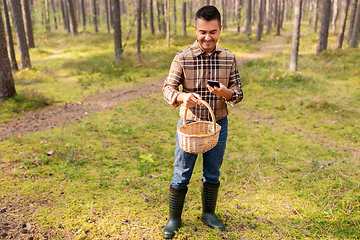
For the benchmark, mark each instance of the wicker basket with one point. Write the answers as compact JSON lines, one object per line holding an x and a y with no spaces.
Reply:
{"x":192,"y":143}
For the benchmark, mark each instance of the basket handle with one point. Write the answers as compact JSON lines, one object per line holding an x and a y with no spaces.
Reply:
{"x":210,"y":110}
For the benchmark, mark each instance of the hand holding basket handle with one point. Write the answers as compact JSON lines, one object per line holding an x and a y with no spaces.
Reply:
{"x":190,"y":142}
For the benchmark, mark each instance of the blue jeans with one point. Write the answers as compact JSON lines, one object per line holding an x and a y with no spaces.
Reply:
{"x":212,"y":160}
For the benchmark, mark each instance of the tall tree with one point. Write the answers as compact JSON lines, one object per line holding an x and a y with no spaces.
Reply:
{"x":138,"y":39}
{"x":296,"y":37}
{"x":53,"y":12}
{"x":151,"y":17}
{"x":27,"y":23}
{"x":174,"y":15}
{"x":183,"y":18}
{"x":324,"y":28}
{"x":167,"y":20}
{"x":47,"y":15}
{"x":20,"y":34}
{"x":345,"y":7}
{"x":7,"y":85}
{"x":72,"y":18}
{"x":355,"y":37}
{"x":268,"y":16}
{"x":82,"y":7}
{"x":315,"y":15}
{"x":352,"y":19}
{"x":278,"y":17}
{"x":260,"y":26}
{"x":94,"y":15}
{"x":65,"y":15}
{"x":335,"y":15}
{"x":107,"y":15}
{"x":158,"y":16}
{"x":117,"y":30}
{"x":248,"y":20}
{"x":9,"y":38}
{"x":238,"y":14}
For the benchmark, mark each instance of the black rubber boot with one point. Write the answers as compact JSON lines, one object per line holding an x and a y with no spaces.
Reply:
{"x":176,"y":204}
{"x":209,"y":194}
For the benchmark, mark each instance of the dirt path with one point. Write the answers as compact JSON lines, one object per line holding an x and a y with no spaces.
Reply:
{"x":51,"y":117}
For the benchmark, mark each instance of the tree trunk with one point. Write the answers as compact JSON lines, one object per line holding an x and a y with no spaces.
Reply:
{"x":107,"y":16}
{"x":268,"y":16}
{"x":335,"y":15}
{"x":316,"y":15}
{"x":345,"y":7}
{"x":151,"y":17}
{"x":20,"y":34}
{"x":296,"y":37}
{"x":324,"y":28}
{"x":260,"y":20}
{"x":9,"y":38}
{"x":83,"y":14}
{"x":94,"y":13}
{"x":138,"y":40}
{"x":356,"y":30}
{"x":7,"y":85}
{"x":27,"y":23}
{"x":278,"y":18}
{"x":183,"y":18}
{"x":352,"y":19}
{"x":174,"y":15}
{"x":143,"y":12}
{"x":65,"y":15}
{"x":248,"y":20}
{"x":72,"y":18}
{"x":117,"y":30}
{"x":238,"y":14}
{"x":167,"y":20}
{"x":54,"y":13}
{"x":47,"y":16}
{"x":157,"y":13}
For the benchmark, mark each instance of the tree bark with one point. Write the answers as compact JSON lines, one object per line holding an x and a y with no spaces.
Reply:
{"x":352,"y":19}
{"x":138,"y":39}
{"x":340,"y":39}
{"x":174,"y":16}
{"x":83,"y":14}
{"x":238,"y":14}
{"x":54,"y":13}
{"x":151,"y":17}
{"x":27,"y":23}
{"x":324,"y":28}
{"x":260,"y":26}
{"x":248,"y":20}
{"x":7,"y":85}
{"x":356,"y":30}
{"x":278,"y":17}
{"x":9,"y":38}
{"x":296,"y":37}
{"x":316,"y":15}
{"x":167,"y":21}
{"x":20,"y":34}
{"x":117,"y":30}
{"x":72,"y":18}
{"x":107,"y":16}
{"x":158,"y":13}
{"x":94,"y":13}
{"x":268,"y":16}
{"x":335,"y":15}
{"x":183,"y":18}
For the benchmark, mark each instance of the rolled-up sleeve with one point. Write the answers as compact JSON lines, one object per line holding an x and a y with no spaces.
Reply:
{"x":235,"y":85}
{"x":173,"y":81}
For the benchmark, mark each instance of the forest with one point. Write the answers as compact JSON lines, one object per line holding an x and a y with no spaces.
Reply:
{"x":87,"y":140}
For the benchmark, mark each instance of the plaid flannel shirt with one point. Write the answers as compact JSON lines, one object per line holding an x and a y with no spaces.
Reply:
{"x":191,"y":68}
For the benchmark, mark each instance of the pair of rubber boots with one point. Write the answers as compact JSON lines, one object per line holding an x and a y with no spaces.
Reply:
{"x":209,"y":193}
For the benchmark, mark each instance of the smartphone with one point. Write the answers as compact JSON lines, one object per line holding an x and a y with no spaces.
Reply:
{"x":213,"y":83}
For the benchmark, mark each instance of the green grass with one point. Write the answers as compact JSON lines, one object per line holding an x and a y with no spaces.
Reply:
{"x":291,"y":164}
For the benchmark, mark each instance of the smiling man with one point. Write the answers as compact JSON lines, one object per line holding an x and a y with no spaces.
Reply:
{"x":192,"y":68}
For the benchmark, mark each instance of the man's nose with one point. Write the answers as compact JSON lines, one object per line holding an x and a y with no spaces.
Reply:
{"x":207,"y":37}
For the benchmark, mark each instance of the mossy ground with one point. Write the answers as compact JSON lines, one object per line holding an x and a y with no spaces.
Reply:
{"x":291,"y":164}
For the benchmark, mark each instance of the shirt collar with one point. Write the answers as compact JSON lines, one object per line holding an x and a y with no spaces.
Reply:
{"x":198,"y":51}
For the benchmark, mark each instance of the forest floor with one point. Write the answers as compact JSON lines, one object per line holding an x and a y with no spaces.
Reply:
{"x":53,"y":116}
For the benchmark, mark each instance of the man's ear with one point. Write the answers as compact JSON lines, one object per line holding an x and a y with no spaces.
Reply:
{"x":221,"y":27}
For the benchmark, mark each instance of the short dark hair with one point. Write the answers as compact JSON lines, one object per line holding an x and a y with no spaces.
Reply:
{"x":208,"y":13}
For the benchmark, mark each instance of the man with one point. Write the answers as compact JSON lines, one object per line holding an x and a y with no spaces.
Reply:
{"x":192,"y":68}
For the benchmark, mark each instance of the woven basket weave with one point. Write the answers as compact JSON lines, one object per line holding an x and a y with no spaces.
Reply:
{"x":192,"y":143}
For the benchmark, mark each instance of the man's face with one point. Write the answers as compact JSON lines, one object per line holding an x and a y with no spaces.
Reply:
{"x":207,"y":33}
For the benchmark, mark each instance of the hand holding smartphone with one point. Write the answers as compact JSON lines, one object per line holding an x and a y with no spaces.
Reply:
{"x":213,"y":83}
